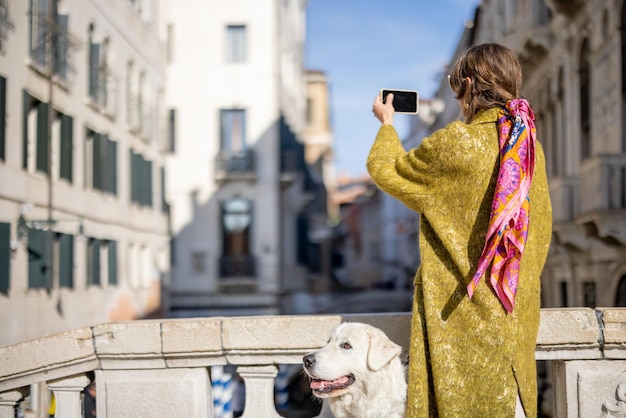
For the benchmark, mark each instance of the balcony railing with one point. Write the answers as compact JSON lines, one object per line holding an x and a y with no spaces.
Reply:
{"x":235,"y":166}
{"x":164,"y":363}
{"x":237,"y":266}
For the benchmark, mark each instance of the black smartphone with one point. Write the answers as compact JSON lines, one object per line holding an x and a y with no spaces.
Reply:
{"x":404,"y":101}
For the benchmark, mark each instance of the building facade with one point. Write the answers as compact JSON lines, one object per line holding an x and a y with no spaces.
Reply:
{"x":572,"y":54}
{"x":83,"y":227}
{"x":575,"y":72}
{"x":238,"y":183}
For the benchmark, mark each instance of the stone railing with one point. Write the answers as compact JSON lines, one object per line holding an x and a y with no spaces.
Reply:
{"x":159,"y":368}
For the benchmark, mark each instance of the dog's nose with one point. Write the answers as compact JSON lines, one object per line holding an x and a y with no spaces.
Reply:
{"x":308,"y":360}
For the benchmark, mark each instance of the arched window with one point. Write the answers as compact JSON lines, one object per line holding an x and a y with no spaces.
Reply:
{"x":620,"y":294}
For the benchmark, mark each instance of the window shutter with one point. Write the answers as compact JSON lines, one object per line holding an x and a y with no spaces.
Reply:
{"x":39,"y":53}
{"x":94,"y":71}
{"x":38,"y":259}
{"x":3,"y":116}
{"x":94,"y":262}
{"x":42,"y":137}
{"x":61,"y":46}
{"x":5,"y":257}
{"x":66,"y":147}
{"x":133,"y":177}
{"x":112,"y":263}
{"x":172,"y":130}
{"x":111,"y":166}
{"x":26,"y":105}
{"x":149,"y":183}
{"x":97,"y":161}
{"x":66,"y":261}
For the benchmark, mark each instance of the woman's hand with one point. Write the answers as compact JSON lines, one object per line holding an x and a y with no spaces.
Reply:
{"x":384,"y":112}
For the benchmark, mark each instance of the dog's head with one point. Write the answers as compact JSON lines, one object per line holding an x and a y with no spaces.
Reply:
{"x":354,"y":352}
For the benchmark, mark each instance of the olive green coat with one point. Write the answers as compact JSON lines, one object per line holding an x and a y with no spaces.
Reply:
{"x":468,"y":358}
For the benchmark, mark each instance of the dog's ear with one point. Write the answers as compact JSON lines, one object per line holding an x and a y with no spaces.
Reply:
{"x":381,"y":349}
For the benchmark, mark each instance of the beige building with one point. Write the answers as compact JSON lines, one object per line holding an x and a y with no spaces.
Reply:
{"x":83,"y":231}
{"x":238,"y":182}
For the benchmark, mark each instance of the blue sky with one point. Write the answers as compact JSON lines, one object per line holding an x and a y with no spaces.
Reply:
{"x":364,"y":46}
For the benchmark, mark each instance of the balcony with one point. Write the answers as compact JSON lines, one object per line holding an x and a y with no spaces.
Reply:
{"x":235,"y":166}
{"x":165,"y":362}
{"x":237,"y":266}
{"x":603,"y":197}
{"x":568,"y":8}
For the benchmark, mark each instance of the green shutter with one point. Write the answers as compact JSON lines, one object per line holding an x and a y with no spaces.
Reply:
{"x":5,"y":257}
{"x":66,"y":261}
{"x":42,"y":137}
{"x":111,"y":166}
{"x":3,"y":117}
{"x":39,"y":252}
{"x":26,"y":103}
{"x":112,"y":263}
{"x":164,"y":205}
{"x":149,"y":183}
{"x":133,"y":176}
{"x":61,"y":46}
{"x":94,"y":71}
{"x":93,"y":262}
{"x":66,"y":147}
{"x":172,"y":130}
{"x":97,"y":169}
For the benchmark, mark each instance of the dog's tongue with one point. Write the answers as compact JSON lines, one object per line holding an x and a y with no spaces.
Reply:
{"x":329,"y":384}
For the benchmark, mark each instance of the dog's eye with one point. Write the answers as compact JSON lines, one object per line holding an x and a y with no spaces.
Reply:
{"x":346,"y":346}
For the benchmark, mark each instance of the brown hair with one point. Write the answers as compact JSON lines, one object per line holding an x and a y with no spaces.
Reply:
{"x":495,"y":74}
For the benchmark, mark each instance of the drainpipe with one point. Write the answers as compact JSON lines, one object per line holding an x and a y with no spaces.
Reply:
{"x":51,"y":28}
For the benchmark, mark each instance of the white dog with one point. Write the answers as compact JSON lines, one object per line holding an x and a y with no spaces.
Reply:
{"x":360,"y":373}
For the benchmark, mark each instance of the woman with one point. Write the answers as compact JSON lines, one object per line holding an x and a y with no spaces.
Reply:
{"x":485,"y":229}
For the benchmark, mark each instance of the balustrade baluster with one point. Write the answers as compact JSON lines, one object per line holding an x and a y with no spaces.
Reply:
{"x":67,"y":394}
{"x":259,"y":382}
{"x":10,"y":400}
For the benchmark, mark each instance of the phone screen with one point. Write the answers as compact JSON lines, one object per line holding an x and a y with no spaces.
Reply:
{"x":404,"y":101}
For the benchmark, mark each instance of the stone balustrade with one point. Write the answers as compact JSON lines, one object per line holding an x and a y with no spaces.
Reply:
{"x":159,"y":368}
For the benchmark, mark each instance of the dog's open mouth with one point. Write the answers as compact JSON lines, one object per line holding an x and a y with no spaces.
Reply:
{"x":328,"y":386}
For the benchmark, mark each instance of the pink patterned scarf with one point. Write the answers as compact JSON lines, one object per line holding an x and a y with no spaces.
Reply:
{"x":508,"y":222}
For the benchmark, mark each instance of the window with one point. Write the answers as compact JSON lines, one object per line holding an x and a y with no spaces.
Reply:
{"x":36,"y":141}
{"x":66,"y":147}
{"x":140,"y":179}
{"x":236,"y":238}
{"x":101,"y":262}
{"x":232,"y":131}
{"x":564,"y":299}
{"x":93,"y":262}
{"x":5,"y":23}
{"x":40,"y":29}
{"x":35,"y":134}
{"x":99,"y":73}
{"x":589,"y":294}
{"x":620,"y":295}
{"x":236,"y":44}
{"x":585,"y":101}
{"x":111,"y":250}
{"x":100,"y":162}
{"x":198,"y":261}
{"x":171,"y":130}
{"x":5,"y":256}
{"x":65,"y":245}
